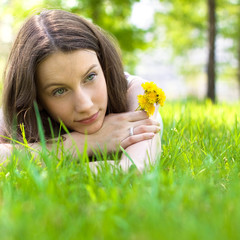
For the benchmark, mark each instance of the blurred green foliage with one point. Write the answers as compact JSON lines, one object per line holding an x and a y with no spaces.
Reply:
{"x":185,"y":28}
{"x":184,"y":24}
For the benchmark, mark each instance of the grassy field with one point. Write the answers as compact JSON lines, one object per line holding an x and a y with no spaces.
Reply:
{"x":191,"y":193}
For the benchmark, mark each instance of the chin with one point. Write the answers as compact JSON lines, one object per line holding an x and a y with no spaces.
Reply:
{"x":90,"y":130}
{"x":93,"y":130}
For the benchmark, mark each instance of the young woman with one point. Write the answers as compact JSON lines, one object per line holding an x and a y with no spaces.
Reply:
{"x":74,"y":73}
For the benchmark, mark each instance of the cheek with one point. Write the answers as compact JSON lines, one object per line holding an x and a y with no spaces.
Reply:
{"x":56,"y":109}
{"x":102,"y":93}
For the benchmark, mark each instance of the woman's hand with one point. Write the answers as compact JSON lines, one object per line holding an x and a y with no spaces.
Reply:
{"x":115,"y":130}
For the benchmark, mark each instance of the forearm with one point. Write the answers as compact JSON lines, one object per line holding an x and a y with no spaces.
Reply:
{"x":74,"y":143}
{"x":142,"y":153}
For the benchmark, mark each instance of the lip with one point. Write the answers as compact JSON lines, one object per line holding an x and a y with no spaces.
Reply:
{"x":89,"y":120}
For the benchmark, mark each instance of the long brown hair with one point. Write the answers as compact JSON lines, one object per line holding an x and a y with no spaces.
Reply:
{"x":39,"y":37}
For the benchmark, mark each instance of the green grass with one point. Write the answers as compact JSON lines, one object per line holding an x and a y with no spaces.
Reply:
{"x":191,"y":193}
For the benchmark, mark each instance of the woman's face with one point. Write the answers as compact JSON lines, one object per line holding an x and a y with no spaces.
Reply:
{"x":71,"y":87}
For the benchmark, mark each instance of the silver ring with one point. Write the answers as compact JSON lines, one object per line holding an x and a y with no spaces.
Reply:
{"x":131,"y":131}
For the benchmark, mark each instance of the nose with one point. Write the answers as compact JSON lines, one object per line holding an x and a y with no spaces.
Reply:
{"x":82,"y":100}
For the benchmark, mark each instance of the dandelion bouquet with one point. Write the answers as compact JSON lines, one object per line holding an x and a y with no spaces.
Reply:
{"x":152,"y":95}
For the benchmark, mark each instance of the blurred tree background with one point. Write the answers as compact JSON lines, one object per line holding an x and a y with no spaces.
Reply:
{"x":187,"y":28}
{"x":190,"y":26}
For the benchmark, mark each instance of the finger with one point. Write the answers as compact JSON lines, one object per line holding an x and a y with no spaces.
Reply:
{"x":136,"y":138}
{"x":143,"y":126}
{"x":147,"y":121}
{"x":145,"y":129}
{"x":136,"y":116}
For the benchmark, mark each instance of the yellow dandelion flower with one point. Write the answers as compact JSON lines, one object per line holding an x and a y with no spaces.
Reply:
{"x":150,"y":109}
{"x":152,"y":97}
{"x":161,"y":102}
{"x":149,"y":86}
{"x":143,"y":101}
{"x":161,"y":96}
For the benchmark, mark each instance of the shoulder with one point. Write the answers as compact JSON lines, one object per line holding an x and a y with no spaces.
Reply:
{"x":134,"y":86}
{"x":134,"y":80}
{"x":134,"y":89}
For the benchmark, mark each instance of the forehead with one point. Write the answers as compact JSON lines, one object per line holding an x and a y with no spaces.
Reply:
{"x":61,"y":65}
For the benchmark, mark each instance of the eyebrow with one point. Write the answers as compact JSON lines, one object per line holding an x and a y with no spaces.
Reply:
{"x":83,"y":76}
{"x":89,"y":69}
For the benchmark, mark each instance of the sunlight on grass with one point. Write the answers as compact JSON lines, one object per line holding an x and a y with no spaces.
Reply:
{"x":191,"y":193}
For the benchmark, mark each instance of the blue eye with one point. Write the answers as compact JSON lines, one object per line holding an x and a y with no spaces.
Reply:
{"x":91,"y":76}
{"x":59,"y":91}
